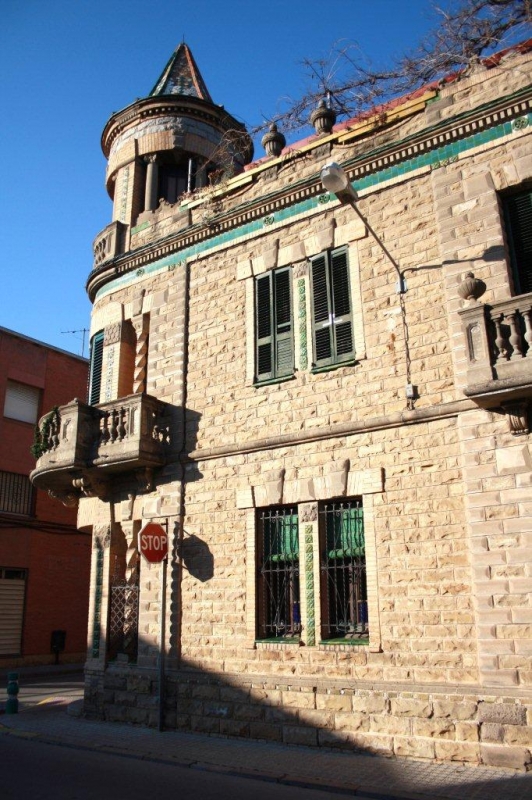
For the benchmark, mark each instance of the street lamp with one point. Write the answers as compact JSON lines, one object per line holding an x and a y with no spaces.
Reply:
{"x":335,"y":180}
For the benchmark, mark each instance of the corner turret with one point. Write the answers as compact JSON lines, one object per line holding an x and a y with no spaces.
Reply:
{"x":161,"y":147}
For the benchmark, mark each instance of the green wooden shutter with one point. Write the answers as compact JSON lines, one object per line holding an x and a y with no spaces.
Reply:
{"x":519,"y":224}
{"x":342,"y":316}
{"x":321,"y":312}
{"x":263,"y":323}
{"x":96,"y":363}
{"x":284,"y":350}
{"x":273,"y":323}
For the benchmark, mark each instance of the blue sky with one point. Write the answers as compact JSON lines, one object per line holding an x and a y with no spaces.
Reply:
{"x":67,"y":65}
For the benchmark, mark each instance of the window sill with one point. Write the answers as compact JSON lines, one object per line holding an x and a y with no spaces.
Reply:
{"x":271,"y":381}
{"x":344,"y":643}
{"x":276,"y":644}
{"x":328,"y":367}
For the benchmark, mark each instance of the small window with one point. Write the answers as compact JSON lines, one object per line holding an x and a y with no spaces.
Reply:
{"x":518,"y":218}
{"x":343,"y":572}
{"x":278,"y":574}
{"x":22,"y":402}
{"x":95,"y":370}
{"x":332,"y":323}
{"x":273,"y":325}
{"x":16,"y":494}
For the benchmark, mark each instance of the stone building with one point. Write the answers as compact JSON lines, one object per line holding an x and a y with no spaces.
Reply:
{"x":326,"y":403}
{"x":44,"y":559}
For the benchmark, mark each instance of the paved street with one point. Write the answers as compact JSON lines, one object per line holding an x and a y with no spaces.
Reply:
{"x":85,"y":758}
{"x":45,"y":771}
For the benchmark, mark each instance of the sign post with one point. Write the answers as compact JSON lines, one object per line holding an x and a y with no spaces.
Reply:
{"x":154,"y":547}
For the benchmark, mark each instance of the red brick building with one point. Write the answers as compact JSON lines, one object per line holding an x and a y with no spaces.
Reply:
{"x":44,"y":559}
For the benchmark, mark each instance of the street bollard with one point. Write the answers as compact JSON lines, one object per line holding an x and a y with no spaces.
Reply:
{"x":12,"y":692}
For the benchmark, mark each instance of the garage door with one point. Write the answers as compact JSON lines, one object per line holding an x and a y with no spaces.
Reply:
{"x":12,"y":590}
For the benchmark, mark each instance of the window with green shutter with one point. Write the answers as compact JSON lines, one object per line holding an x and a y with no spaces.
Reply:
{"x":332,"y":320}
{"x":344,"y":600}
{"x":278,"y":591}
{"x":95,"y":370}
{"x":274,"y":357}
{"x":518,"y":218}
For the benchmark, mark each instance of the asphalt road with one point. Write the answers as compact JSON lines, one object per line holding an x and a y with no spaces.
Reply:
{"x":41,"y":771}
{"x":38,"y":690}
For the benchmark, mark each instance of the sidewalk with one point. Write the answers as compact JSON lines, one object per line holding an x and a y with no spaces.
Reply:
{"x":57,"y":720}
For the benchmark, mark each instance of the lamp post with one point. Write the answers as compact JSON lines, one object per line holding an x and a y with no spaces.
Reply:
{"x":336,"y":181}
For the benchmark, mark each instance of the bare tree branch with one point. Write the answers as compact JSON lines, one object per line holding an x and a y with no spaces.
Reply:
{"x":466,"y":32}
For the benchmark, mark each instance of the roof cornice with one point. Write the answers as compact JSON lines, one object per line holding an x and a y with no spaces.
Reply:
{"x":357,"y":167}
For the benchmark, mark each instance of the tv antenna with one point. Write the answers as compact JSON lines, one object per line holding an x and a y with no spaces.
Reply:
{"x":82,"y":331}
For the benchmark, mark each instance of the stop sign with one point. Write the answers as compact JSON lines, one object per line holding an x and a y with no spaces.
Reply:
{"x":153,"y":542}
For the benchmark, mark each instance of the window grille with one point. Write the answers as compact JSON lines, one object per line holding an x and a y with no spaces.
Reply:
{"x":95,"y":370}
{"x":332,"y":321}
{"x":518,"y":218}
{"x":278,"y":574}
{"x":16,"y":494}
{"x":124,"y":612}
{"x":273,"y":323}
{"x":343,"y":572}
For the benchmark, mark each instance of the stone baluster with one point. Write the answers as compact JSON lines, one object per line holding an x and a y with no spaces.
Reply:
{"x":122,"y":423}
{"x":500,"y":339}
{"x":527,"y":315}
{"x":113,"y":431}
{"x":104,"y":428}
{"x":54,"y":430}
{"x":515,"y":336}
{"x":152,"y":182}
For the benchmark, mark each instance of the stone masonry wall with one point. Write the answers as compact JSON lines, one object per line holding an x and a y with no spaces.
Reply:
{"x":435,"y":724}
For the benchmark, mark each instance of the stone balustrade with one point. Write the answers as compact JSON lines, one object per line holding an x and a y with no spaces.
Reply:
{"x":109,"y":243}
{"x":499,"y":350}
{"x":82,"y":446}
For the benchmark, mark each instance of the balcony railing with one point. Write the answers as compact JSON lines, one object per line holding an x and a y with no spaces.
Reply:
{"x":82,"y":445}
{"x":109,"y":243}
{"x":499,"y":350}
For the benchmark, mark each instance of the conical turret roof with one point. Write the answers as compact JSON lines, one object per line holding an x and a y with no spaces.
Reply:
{"x":181,"y":76}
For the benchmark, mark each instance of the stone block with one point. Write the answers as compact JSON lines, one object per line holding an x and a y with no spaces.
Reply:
{"x":264,"y":730}
{"x":370,"y":703}
{"x":414,"y":748}
{"x":410,"y":707}
{"x":518,"y":734}
{"x":491,"y":732}
{"x":333,"y":702}
{"x":502,"y":713}
{"x":513,"y":460}
{"x":300,"y":735}
{"x":457,"y":751}
{"x":494,"y":755}
{"x":233,"y":727}
{"x":455,"y":709}
{"x":351,"y":722}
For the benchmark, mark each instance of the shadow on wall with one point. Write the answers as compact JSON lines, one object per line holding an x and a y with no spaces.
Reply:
{"x":250,"y":707}
{"x":197,"y":558}
{"x":309,"y":711}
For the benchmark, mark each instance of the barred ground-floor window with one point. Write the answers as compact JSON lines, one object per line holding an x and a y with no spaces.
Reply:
{"x":344,"y":600}
{"x":336,"y":602}
{"x":278,"y":607}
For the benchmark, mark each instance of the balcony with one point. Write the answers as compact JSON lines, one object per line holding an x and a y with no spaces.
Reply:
{"x":499,"y":355}
{"x":83,"y":447}
{"x":109,"y":243}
